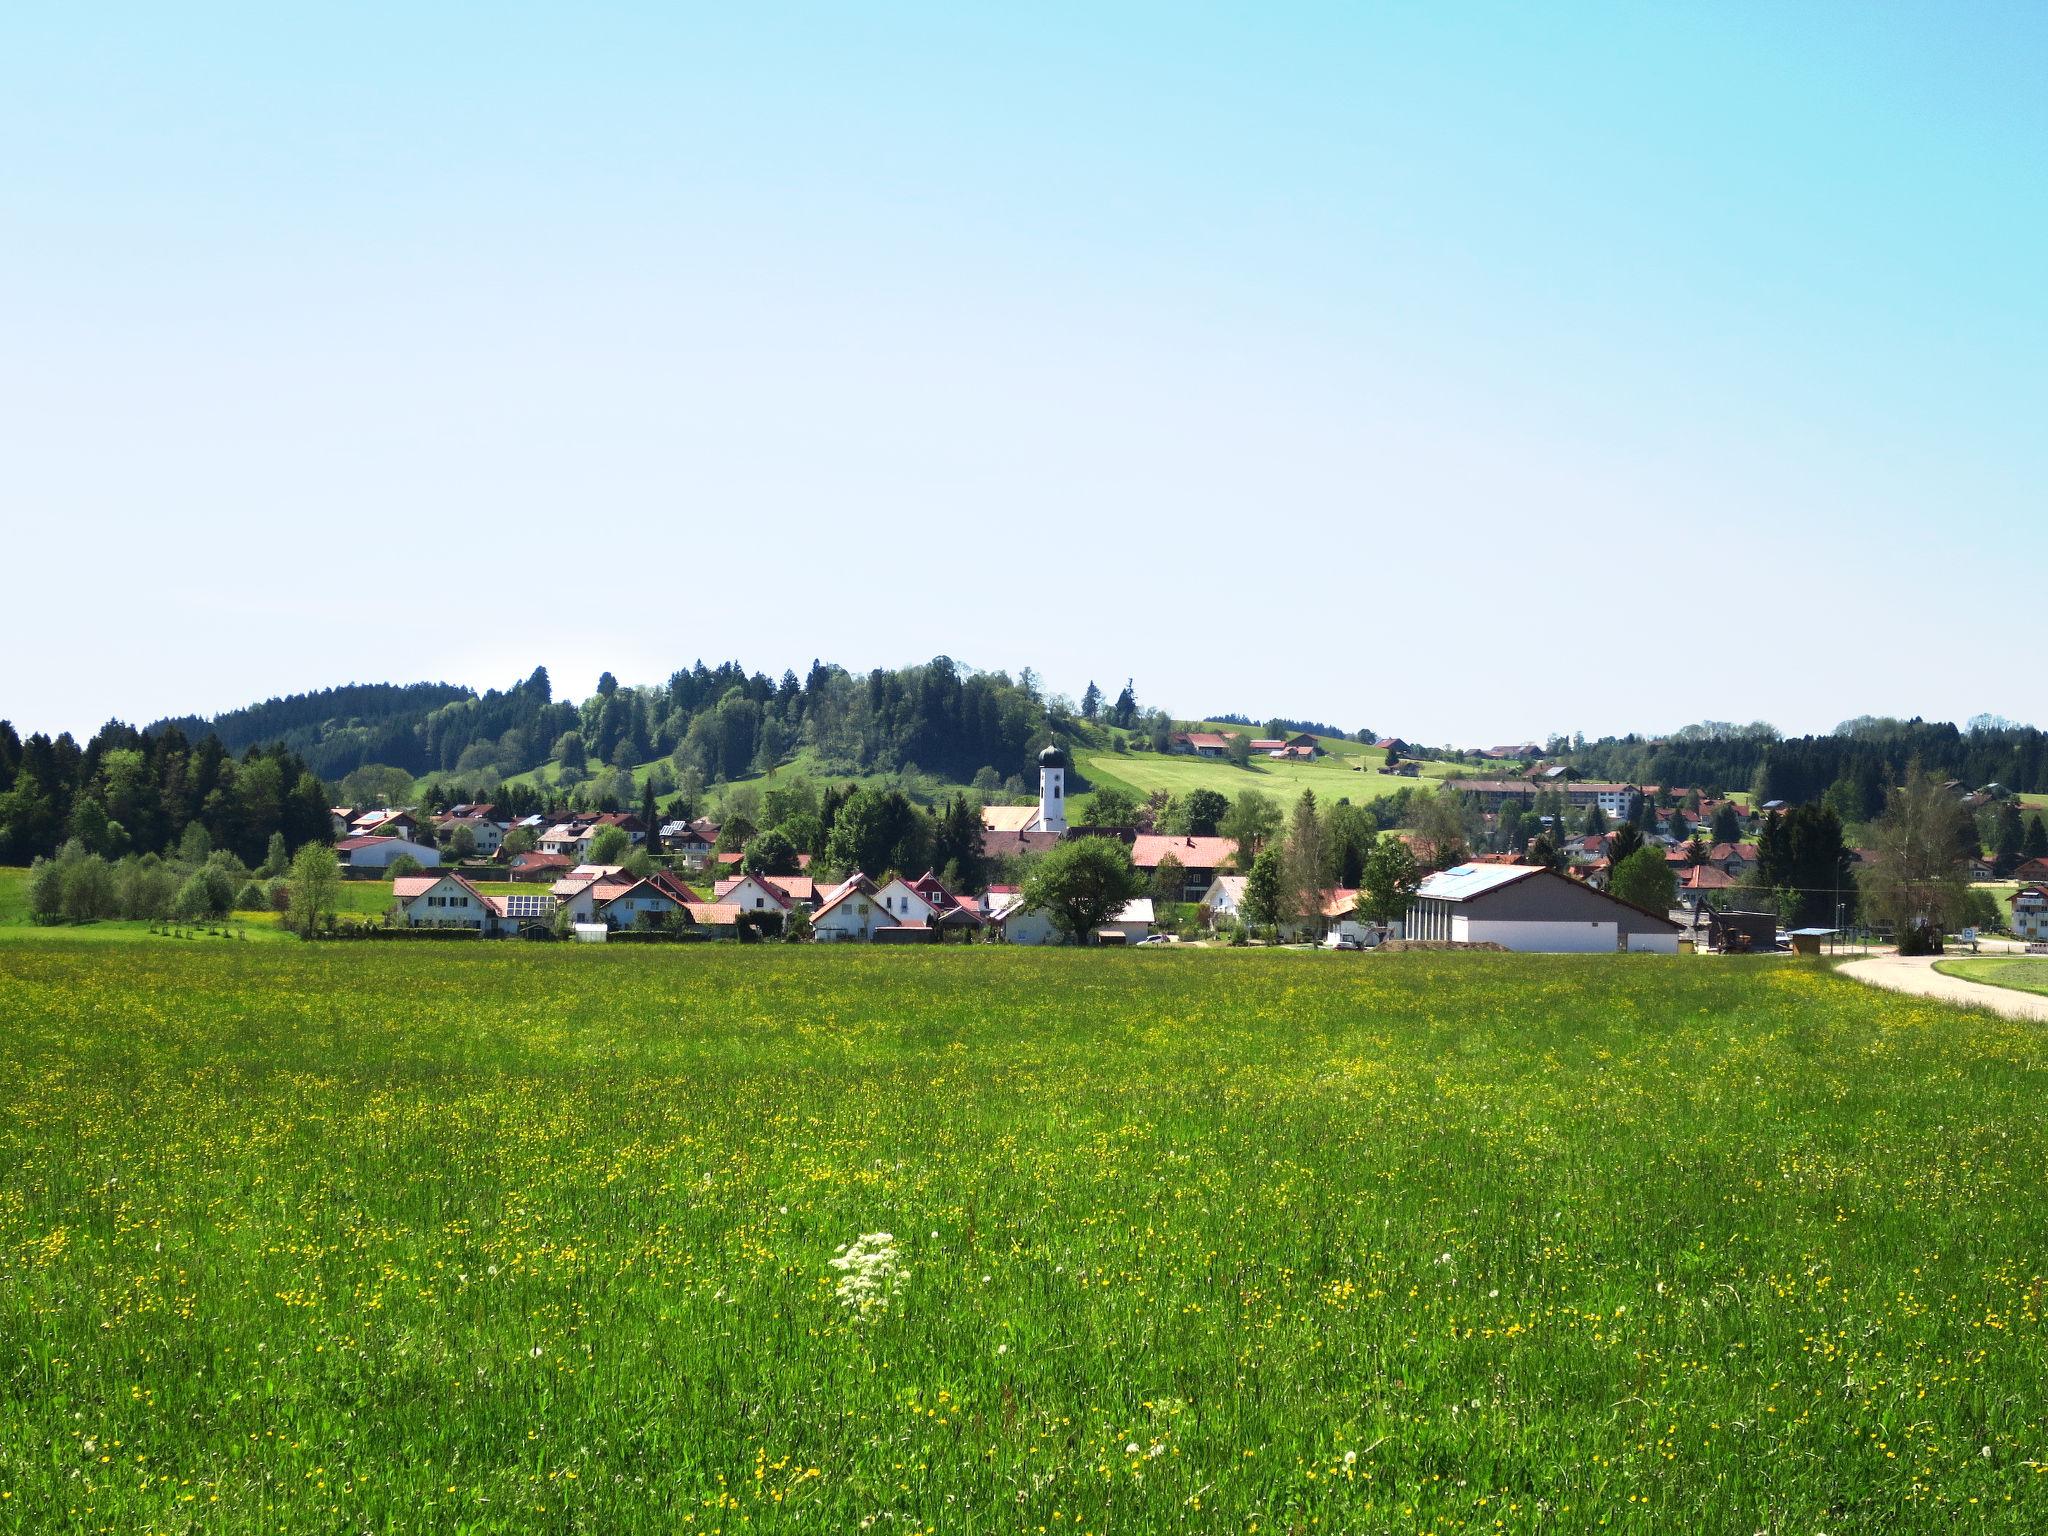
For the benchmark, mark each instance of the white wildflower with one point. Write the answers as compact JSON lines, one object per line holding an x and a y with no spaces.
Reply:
{"x":1131,"y":1449}
{"x":871,"y":1273}
{"x":1351,"y":1458}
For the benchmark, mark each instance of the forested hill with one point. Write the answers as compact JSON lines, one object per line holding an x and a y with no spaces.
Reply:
{"x":1852,"y":766}
{"x":351,"y":725}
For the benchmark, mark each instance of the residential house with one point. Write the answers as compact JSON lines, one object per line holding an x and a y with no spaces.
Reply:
{"x":905,"y":904}
{"x":447,"y":900}
{"x":539,"y":866}
{"x":374,"y":855}
{"x":643,"y":904}
{"x":488,"y":835}
{"x":1201,"y":858}
{"x":849,"y":912}
{"x":682,"y":839}
{"x":1199,"y":743}
{"x":754,"y":895}
{"x":2033,"y":871}
{"x":1011,"y":922}
{"x":1529,"y":908}
{"x":1130,"y":923}
{"x":2030,"y":913}
{"x":570,"y":838}
{"x":1223,"y":902}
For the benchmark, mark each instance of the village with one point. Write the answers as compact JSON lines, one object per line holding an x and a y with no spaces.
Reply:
{"x":675,"y":882}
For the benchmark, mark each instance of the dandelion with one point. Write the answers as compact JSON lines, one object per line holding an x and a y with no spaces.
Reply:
{"x":870,"y":1273}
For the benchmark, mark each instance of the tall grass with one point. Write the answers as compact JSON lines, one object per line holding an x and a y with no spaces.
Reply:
{"x":513,"y":1238}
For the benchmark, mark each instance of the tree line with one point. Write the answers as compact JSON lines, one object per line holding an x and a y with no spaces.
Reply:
{"x":142,"y":792}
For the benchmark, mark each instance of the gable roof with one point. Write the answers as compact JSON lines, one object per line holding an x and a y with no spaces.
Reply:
{"x":1149,"y":851}
{"x":1009,"y":818}
{"x":1471,"y":882}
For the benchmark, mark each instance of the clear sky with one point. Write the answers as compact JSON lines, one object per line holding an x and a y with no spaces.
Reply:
{"x":1469,"y":372}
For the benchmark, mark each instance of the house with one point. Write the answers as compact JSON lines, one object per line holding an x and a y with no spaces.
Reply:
{"x":1223,"y":902}
{"x":539,"y":866}
{"x":848,"y":912}
{"x":1131,"y":922}
{"x":754,"y":894}
{"x":448,"y":900}
{"x":571,"y":838}
{"x":440,"y":901}
{"x":2032,"y":872}
{"x":585,"y":899}
{"x":1199,"y":743}
{"x":1270,"y":745}
{"x":1336,"y":916}
{"x":682,"y":839}
{"x":373,"y":855}
{"x":905,"y":904}
{"x":1011,"y":922}
{"x":1704,"y":877}
{"x":1393,"y":744}
{"x":341,"y":820}
{"x":1529,"y":908}
{"x":1979,"y":868}
{"x":793,"y":890}
{"x":391,"y":823}
{"x":643,"y":904}
{"x":1302,"y":744}
{"x":2030,"y":913}
{"x":634,"y":828}
{"x":950,"y":914}
{"x":487,"y":834}
{"x":1201,"y":859}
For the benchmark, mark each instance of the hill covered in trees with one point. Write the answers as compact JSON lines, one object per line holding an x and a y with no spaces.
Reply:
{"x":1851,"y":766}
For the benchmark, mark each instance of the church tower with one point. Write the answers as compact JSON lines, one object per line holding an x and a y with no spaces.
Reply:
{"x":1052,"y":789}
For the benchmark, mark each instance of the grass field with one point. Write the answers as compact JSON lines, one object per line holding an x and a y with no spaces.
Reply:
{"x":1332,"y":778}
{"x":541,"y":1238}
{"x":2023,"y":973}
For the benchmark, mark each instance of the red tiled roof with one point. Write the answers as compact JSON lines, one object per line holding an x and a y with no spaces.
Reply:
{"x":1149,"y":850}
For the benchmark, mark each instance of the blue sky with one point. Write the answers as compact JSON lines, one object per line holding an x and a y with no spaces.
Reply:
{"x":1469,"y":373}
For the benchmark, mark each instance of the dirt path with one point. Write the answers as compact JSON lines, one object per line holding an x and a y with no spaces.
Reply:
{"x":1916,"y":974}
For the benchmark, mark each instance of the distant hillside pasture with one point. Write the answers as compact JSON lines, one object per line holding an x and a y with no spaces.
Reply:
{"x":1333,"y":778}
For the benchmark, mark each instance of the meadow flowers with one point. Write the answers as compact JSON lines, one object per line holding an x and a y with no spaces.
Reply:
{"x":870,"y":1273}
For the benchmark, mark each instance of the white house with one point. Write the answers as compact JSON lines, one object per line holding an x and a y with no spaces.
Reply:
{"x":686,"y":843}
{"x":566,"y":837}
{"x":1530,"y":908}
{"x":753,"y":893}
{"x":639,"y":905}
{"x":449,"y":901}
{"x":367,"y":854}
{"x":1011,"y":923}
{"x":850,"y":911}
{"x":2030,"y":913}
{"x":490,"y":837}
{"x":1132,"y":922}
{"x":905,"y":905}
{"x":1223,"y":902}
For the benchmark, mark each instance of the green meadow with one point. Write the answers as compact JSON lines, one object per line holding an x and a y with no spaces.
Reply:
{"x":543,"y":1238}
{"x":2023,"y":973}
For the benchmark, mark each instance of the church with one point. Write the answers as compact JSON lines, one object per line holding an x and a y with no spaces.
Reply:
{"x":1015,"y":829}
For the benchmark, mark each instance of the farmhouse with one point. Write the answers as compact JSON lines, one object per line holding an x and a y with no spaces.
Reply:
{"x":373,"y":855}
{"x":1200,"y":858}
{"x":1530,"y":908}
{"x":1199,"y":743}
{"x":2033,"y":871}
